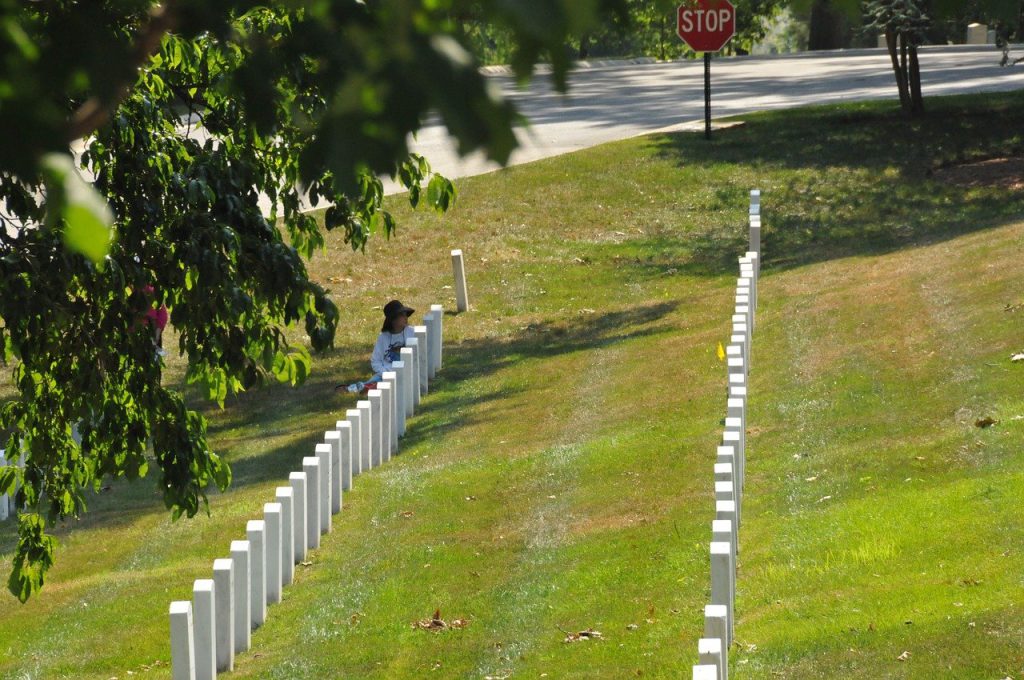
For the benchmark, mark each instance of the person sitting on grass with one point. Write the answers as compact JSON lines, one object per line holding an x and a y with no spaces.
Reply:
{"x":387,"y":349}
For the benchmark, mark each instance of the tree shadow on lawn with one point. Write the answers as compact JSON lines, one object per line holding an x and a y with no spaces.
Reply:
{"x":831,"y":209}
{"x":483,"y":356}
{"x":278,"y":410}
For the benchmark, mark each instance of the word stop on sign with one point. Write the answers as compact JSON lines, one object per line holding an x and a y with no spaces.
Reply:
{"x":701,"y":20}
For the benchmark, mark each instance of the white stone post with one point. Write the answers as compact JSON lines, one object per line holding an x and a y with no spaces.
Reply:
{"x":755,"y":260}
{"x":740,"y":340}
{"x":716,"y":623}
{"x":365,"y":435}
{"x":461,"y":295}
{"x":224,"y":594}
{"x":721,"y":580}
{"x":428,"y":323}
{"x":386,"y":420}
{"x":736,"y":424}
{"x":204,"y":628}
{"x":345,"y":450}
{"x":736,"y":365}
{"x":422,"y":357}
{"x":736,"y":407}
{"x":438,"y":337}
{"x":411,"y":389}
{"x":256,"y":532}
{"x":417,"y":357}
{"x":376,"y":425}
{"x":401,"y":378}
{"x":731,"y":437}
{"x":747,"y":271}
{"x":391,"y":380}
{"x":705,"y":672}
{"x":311,"y":466}
{"x":183,"y":661}
{"x":333,"y":439}
{"x":3,"y":497}
{"x":323,"y":454}
{"x":723,"y":473}
{"x":723,"y":491}
{"x":738,"y":391}
{"x":285,"y":497}
{"x":272,"y":520}
{"x":355,"y":418}
{"x":755,"y":233}
{"x":746,"y":311}
{"x":710,"y":653}
{"x":299,"y":510}
{"x":721,"y":532}
{"x":243,"y":611}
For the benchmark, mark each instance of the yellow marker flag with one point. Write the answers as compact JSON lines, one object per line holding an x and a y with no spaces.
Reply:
{"x":720,"y":352}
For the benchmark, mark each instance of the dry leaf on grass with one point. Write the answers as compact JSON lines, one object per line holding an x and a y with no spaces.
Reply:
{"x":987,"y":421}
{"x":437,"y":623}
{"x":407,"y":513}
{"x":588,"y":634}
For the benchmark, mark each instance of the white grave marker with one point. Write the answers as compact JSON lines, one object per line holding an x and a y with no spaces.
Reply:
{"x":324,"y":454}
{"x":224,"y":594}
{"x":461,"y":294}
{"x":299,"y":510}
{"x":256,"y":532}
{"x":183,"y":662}
{"x":243,"y":612}
{"x":204,"y":628}
{"x":311,"y":466}
{"x":272,"y":520}
{"x":285,"y":497}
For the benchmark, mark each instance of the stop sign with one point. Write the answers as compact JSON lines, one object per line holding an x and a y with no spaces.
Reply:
{"x":706,"y":25}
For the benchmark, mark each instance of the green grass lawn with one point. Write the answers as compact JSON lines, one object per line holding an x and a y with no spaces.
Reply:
{"x":559,"y":475}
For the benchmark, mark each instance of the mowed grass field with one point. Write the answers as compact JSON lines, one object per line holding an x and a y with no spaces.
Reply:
{"x":558,"y":477}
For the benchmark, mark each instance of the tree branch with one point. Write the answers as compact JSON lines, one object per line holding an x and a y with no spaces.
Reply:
{"x":95,"y":112}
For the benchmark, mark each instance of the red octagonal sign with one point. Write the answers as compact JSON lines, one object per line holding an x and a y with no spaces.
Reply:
{"x":706,"y":25}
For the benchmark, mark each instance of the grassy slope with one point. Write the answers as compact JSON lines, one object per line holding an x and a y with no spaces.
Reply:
{"x":558,"y":475}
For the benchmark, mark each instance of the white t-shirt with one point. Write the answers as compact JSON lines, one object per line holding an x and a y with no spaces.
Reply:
{"x":386,"y":349}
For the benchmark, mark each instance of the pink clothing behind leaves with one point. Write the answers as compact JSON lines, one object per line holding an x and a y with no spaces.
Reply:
{"x":157,"y":317}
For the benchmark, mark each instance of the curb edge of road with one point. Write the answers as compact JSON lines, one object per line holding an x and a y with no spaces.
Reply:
{"x":592,"y":64}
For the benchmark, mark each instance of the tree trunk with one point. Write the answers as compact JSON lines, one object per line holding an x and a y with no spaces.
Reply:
{"x":901,"y":80}
{"x":825,"y":27}
{"x":661,"y":38}
{"x":584,"y":45}
{"x":917,"y":100}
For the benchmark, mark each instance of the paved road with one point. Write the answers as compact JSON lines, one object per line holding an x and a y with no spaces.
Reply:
{"x":616,"y":102}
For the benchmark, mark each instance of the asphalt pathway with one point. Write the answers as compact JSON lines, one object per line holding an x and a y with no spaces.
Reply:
{"x":607,"y":103}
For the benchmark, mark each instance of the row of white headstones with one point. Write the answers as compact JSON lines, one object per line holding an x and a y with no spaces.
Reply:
{"x":7,"y":506}
{"x":209,"y":630}
{"x":730,"y":468}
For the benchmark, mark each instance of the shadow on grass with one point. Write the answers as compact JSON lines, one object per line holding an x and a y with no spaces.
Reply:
{"x":478,"y":358}
{"x":309,"y":410}
{"x":852,"y":180}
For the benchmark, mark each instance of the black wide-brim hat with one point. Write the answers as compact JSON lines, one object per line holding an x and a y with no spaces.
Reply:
{"x":392,"y":310}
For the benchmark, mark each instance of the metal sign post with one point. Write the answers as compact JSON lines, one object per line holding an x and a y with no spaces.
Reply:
{"x":707,"y":95}
{"x":706,"y":26}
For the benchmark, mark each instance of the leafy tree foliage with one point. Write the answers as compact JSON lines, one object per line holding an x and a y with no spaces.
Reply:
{"x":646,"y":28}
{"x":184,"y":113}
